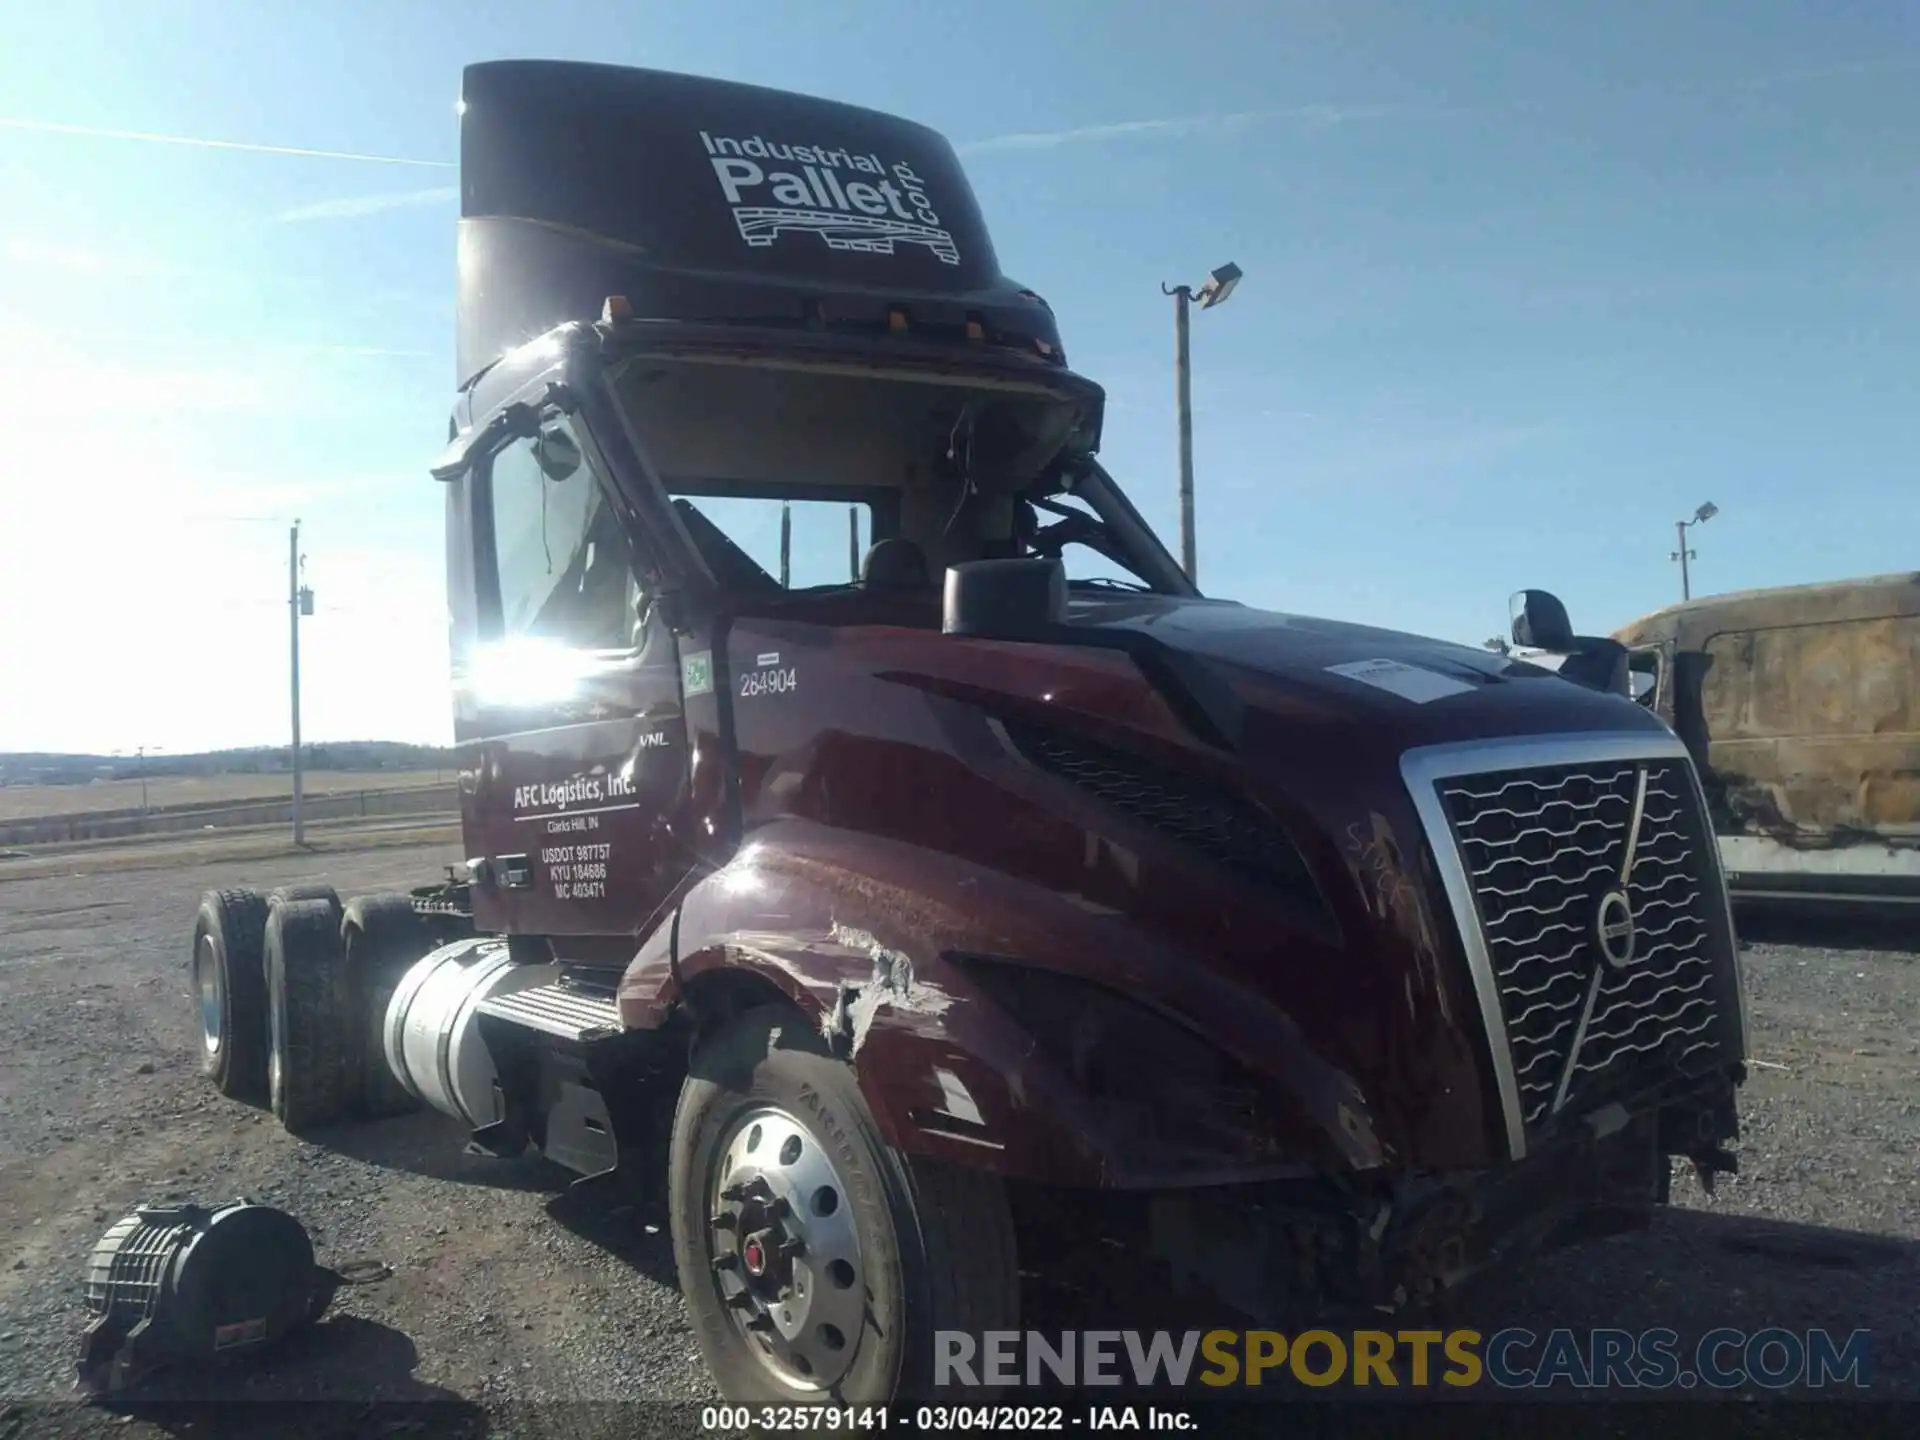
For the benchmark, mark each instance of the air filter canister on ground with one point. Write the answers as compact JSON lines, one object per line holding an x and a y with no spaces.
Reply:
{"x":188,"y":1283}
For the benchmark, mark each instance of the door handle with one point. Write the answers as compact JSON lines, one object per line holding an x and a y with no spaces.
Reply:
{"x":513,"y":872}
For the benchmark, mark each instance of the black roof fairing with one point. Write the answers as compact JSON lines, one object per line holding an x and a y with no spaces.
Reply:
{"x":711,"y":201}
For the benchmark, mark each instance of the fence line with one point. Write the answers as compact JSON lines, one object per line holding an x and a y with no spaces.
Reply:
{"x":328,"y":805}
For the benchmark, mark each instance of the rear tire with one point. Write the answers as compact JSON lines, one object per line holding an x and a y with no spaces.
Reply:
{"x":381,"y":939}
{"x":900,"y":1249}
{"x":230,"y":992}
{"x":309,"y":1007}
{"x":307,"y":891}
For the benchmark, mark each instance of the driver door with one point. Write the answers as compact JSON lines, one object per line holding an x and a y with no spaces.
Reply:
{"x":570,"y":703}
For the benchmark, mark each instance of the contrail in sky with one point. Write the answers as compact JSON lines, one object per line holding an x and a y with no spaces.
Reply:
{"x":96,"y":132}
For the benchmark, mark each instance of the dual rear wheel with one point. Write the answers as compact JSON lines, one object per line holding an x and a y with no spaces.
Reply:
{"x":289,"y":988}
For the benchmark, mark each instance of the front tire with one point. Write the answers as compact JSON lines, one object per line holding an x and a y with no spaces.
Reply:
{"x":817,"y":1262}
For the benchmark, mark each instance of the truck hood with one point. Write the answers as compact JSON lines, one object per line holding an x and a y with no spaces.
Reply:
{"x":1404,"y":689}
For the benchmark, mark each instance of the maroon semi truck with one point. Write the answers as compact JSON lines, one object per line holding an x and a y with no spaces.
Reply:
{"x":1344,"y":962}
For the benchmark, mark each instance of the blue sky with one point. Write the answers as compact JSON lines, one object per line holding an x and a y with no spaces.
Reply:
{"x":1525,"y":284}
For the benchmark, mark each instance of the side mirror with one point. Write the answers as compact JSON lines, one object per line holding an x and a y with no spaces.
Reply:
{"x":1540,"y":622}
{"x":556,"y":453}
{"x":1004,"y":599}
{"x":673,"y":610}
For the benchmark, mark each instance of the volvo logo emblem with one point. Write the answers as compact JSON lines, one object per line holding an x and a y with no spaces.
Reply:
{"x":1613,"y":928}
{"x":1612,"y":933}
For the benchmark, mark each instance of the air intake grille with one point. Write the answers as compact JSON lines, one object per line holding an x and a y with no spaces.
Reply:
{"x":1589,"y":1015}
{"x":1229,"y":830}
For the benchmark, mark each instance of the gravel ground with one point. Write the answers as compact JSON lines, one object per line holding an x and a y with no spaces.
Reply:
{"x":507,"y":1292}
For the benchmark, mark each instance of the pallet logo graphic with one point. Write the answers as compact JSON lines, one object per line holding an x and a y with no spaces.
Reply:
{"x":851,"y":200}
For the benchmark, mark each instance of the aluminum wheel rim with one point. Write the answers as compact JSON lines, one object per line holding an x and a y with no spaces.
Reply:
{"x":785,"y":1251}
{"x":274,"y":1044}
{"x":207,"y":981}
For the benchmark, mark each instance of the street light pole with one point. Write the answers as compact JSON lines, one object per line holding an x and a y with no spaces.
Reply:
{"x":1217,"y":286}
{"x":1183,"y":410}
{"x":1681,"y":553}
{"x":293,"y":614}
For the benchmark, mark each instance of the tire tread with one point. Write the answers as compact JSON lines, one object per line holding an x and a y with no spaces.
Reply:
{"x":381,"y":939}
{"x":237,"y":919}
{"x":308,"y":994}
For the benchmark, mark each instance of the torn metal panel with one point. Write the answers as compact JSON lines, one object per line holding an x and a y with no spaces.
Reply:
{"x":892,"y":985}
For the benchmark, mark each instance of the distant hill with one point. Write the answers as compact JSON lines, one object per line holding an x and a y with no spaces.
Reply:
{"x":29,"y":768}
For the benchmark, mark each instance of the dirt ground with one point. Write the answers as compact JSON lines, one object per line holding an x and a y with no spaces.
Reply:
{"x":507,"y":1291}
{"x":25,"y":802}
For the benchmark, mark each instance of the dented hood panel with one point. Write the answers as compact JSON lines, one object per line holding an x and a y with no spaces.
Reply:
{"x":1410,"y":689}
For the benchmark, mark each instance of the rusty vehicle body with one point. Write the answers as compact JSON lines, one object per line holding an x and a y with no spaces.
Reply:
{"x":1341,"y":962}
{"x":1801,"y":707}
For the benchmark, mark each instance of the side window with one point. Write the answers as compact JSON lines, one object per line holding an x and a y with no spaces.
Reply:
{"x":823,"y":543}
{"x":1643,"y":674}
{"x":565,"y":573}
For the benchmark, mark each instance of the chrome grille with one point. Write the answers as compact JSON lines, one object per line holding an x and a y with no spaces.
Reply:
{"x":1542,"y":847}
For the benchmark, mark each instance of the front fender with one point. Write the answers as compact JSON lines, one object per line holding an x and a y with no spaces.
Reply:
{"x":879,"y":945}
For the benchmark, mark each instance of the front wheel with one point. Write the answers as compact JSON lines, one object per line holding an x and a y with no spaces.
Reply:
{"x":817,"y":1262}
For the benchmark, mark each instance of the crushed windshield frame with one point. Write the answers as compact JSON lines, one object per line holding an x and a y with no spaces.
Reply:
{"x":1136,"y":547}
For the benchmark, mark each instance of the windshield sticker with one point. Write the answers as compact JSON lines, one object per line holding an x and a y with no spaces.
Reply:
{"x":696,"y":673}
{"x":1409,"y":682}
{"x":852,"y":202}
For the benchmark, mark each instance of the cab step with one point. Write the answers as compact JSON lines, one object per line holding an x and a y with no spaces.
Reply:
{"x":562,"y":1010}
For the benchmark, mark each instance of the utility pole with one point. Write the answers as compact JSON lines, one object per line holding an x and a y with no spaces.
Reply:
{"x":853,"y":543}
{"x":786,"y":545}
{"x":299,"y":602}
{"x":139,"y":770}
{"x":1705,"y":513}
{"x":1217,"y":286}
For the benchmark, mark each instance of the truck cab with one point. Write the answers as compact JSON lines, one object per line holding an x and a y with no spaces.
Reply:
{"x":984,"y":858}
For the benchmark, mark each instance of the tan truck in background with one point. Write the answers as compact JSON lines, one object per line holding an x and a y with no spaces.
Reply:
{"x":1801,"y":707}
